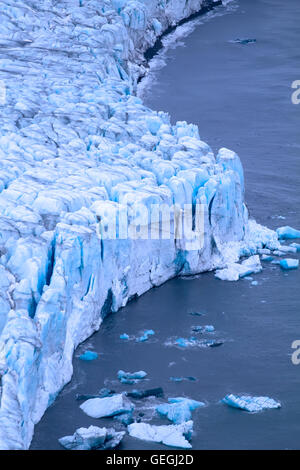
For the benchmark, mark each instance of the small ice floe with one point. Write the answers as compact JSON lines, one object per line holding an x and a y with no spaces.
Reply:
{"x":203,"y":329}
{"x":124,"y":418}
{"x":124,"y":336}
{"x":173,"y":435}
{"x":278,"y":253}
{"x":197,"y":314}
{"x":108,"y":406}
{"x":254,"y":283}
{"x":183,"y":343}
{"x":212,"y":343}
{"x":131,"y":378}
{"x":296,"y":245}
{"x":152,"y":392}
{"x":267,"y":258}
{"x":104,"y":392}
{"x":264,"y":251}
{"x":235,"y":271}
{"x":289,"y":263}
{"x":286,"y":233}
{"x":92,"y":438}
{"x":88,"y":356}
{"x":182,"y":379}
{"x":178,"y":410}
{"x":193,"y":342}
{"x":145,"y":336}
{"x":249,"y":403}
{"x":243,"y":41}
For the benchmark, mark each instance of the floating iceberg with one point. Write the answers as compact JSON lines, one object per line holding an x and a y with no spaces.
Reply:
{"x":124,"y":336}
{"x":249,"y":403}
{"x":178,"y":410}
{"x":92,"y":438}
{"x":296,"y":245}
{"x":289,"y":263}
{"x":172,"y":435}
{"x":88,"y":356}
{"x":108,"y":406}
{"x":145,"y":336}
{"x":286,"y":233}
{"x":131,"y":378}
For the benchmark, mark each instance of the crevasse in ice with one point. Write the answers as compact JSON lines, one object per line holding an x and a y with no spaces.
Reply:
{"x":76,"y":146}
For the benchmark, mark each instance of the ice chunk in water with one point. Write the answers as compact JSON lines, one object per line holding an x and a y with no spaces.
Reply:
{"x":88,"y":356}
{"x":285,"y":233}
{"x":289,"y":263}
{"x":174,"y":435}
{"x":249,"y":403}
{"x":124,"y":336}
{"x":296,"y":245}
{"x":92,"y":438}
{"x":178,"y":410}
{"x":235,"y":271}
{"x":108,"y":406}
{"x":145,"y":336}
{"x":139,"y":394}
{"x":131,"y":378}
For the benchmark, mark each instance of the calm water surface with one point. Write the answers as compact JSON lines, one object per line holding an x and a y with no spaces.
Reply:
{"x":240,"y":96}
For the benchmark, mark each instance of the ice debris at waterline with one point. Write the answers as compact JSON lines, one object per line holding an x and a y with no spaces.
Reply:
{"x":88,"y":356}
{"x":235,"y":271}
{"x":92,"y":438}
{"x":243,"y":41}
{"x":203,"y":329}
{"x":182,"y":379}
{"x":108,"y":406}
{"x":249,"y":403}
{"x":289,"y":263}
{"x":131,"y":378}
{"x":78,"y":149}
{"x":174,"y":435}
{"x":286,"y":233}
{"x":178,"y":410}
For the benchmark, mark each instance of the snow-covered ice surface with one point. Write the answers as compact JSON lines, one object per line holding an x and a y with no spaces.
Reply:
{"x":76,"y":146}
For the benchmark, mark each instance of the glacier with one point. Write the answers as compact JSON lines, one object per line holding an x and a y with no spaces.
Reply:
{"x":76,"y":147}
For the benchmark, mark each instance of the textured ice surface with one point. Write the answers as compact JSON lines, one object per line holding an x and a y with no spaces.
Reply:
{"x":285,"y":233}
{"x":131,"y":378}
{"x":108,"y":406}
{"x":76,"y":148}
{"x":289,"y":263}
{"x":249,"y":403}
{"x":88,"y":356}
{"x":178,"y":410}
{"x":234,"y":271}
{"x":92,"y":438}
{"x":172,"y":435}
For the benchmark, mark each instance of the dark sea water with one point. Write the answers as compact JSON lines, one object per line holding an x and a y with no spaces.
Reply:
{"x":240,"y":96}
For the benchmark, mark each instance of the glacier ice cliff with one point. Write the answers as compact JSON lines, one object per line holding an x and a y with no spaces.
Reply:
{"x":76,"y":145}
